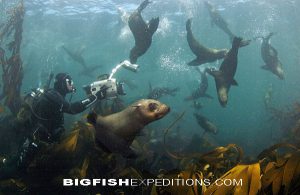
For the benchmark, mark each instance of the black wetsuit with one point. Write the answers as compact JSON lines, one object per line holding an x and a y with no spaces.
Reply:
{"x":48,"y":112}
{"x":47,"y":126}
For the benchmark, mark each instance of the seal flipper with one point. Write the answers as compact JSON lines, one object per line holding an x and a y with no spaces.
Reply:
{"x":234,"y":82}
{"x":153,"y":25}
{"x":196,"y":62}
{"x":265,"y":67}
{"x":267,"y":38}
{"x":264,"y":38}
{"x":188,"y":24}
{"x":143,"y":5}
{"x":115,"y":144}
{"x":109,"y":141}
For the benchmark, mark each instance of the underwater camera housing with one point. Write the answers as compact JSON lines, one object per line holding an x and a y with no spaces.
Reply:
{"x":114,"y":88}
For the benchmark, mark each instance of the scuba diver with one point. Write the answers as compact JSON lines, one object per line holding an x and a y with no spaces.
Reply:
{"x":47,"y":119}
{"x":48,"y":107}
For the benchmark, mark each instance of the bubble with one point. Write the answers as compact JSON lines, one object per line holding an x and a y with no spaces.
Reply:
{"x":190,"y":7}
{"x":164,"y":27}
{"x":171,"y":62}
{"x":125,"y":33}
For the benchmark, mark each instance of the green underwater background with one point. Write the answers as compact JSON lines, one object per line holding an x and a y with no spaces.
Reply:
{"x":96,"y":28}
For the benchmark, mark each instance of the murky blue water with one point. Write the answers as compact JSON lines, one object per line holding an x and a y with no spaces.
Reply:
{"x":97,"y":26}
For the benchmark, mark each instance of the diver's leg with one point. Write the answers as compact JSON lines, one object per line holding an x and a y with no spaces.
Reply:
{"x":14,"y":166}
{"x":8,"y":168}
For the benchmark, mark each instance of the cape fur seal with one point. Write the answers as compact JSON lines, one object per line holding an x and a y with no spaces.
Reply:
{"x":201,"y":91}
{"x":204,"y":54}
{"x":219,"y":21}
{"x":270,"y":56}
{"x":117,"y":131}
{"x":77,"y":57}
{"x":141,"y":31}
{"x":158,"y":92}
{"x":224,"y":77}
{"x":206,"y":124}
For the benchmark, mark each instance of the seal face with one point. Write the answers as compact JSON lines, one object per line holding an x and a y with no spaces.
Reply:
{"x":224,"y":77}
{"x":141,"y":31}
{"x":117,"y":131}
{"x":151,"y":109}
{"x":204,"y":54}
{"x":270,"y":56}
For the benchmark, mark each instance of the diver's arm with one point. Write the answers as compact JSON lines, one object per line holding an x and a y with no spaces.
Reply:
{"x":79,"y":106}
{"x":65,"y":106}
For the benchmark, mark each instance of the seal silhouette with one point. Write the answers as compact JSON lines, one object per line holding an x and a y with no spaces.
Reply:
{"x":219,"y":21}
{"x":117,"y":131}
{"x":204,"y":54}
{"x":201,"y":90}
{"x":141,"y":31}
{"x":270,"y":56}
{"x":224,"y":77}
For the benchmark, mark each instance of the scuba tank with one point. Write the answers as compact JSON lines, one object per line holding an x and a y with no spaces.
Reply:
{"x":30,"y":99}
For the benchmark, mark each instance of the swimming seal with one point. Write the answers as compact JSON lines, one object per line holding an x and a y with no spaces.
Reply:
{"x":141,"y":31}
{"x":270,"y":56}
{"x":204,"y":54}
{"x":224,"y":77}
{"x":117,"y":131}
{"x":219,"y":21}
{"x":158,"y":92}
{"x":77,"y":57}
{"x":201,"y":90}
{"x":206,"y":124}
